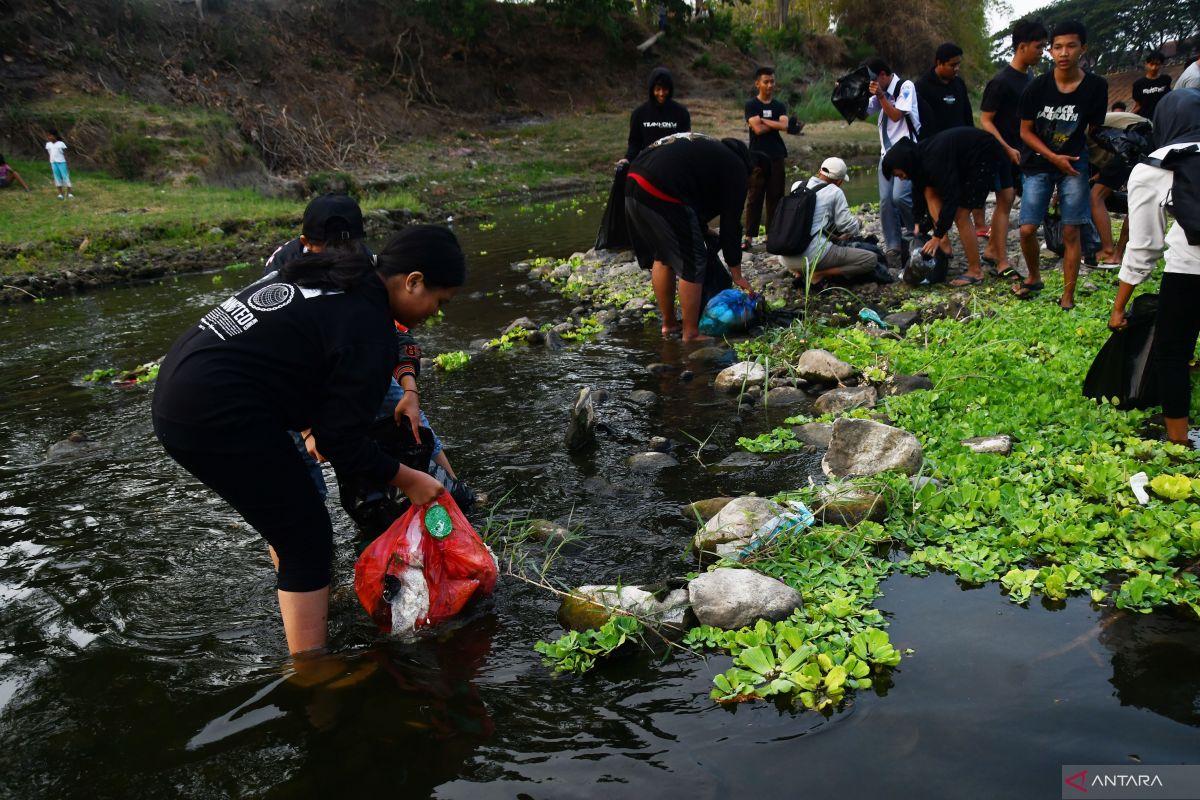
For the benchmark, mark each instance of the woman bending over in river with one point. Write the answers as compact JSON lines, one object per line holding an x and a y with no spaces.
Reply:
{"x":310,"y":349}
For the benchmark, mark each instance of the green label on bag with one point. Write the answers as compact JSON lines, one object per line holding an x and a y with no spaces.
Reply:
{"x":437,"y":522}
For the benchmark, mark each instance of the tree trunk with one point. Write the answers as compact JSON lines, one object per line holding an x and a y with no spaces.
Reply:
{"x":783,"y":12}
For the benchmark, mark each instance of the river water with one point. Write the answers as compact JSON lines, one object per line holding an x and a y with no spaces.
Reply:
{"x":141,"y":653}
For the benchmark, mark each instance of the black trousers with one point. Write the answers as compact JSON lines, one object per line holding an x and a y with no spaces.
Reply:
{"x":764,"y":183}
{"x":1175,"y":334}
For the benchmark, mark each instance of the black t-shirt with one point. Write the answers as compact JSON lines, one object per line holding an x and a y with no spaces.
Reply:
{"x":1002,"y":97}
{"x":947,"y":105}
{"x":276,"y":357}
{"x":1148,"y":91}
{"x":769,"y":143}
{"x":651,"y":121}
{"x":704,"y":174}
{"x":1061,"y":120}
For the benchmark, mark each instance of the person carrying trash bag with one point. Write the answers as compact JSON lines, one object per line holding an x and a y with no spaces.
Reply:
{"x":675,"y":186}
{"x":661,"y":115}
{"x":951,"y":173}
{"x":1167,"y":181}
{"x":311,"y":349}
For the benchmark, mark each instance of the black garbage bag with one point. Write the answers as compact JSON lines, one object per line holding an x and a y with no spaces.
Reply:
{"x":1130,"y":144}
{"x":1052,"y":230}
{"x":374,"y":507}
{"x":614,"y":231}
{"x":851,"y":94}
{"x":1122,"y":369}
{"x":1117,"y":202}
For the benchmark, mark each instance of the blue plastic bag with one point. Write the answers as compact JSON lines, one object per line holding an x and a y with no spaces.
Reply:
{"x":730,"y":311}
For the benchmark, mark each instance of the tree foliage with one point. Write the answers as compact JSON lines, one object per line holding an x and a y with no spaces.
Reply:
{"x":1120,"y":31}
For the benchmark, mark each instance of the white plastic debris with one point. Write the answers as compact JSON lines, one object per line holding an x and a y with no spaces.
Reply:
{"x":1138,"y":484}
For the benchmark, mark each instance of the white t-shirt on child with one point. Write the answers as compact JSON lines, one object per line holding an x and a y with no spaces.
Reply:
{"x":55,"y":149}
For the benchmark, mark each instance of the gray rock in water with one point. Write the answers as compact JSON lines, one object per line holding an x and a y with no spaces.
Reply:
{"x":711,"y":355}
{"x":77,"y":443}
{"x":659,"y":368}
{"x":521,"y":322}
{"x":477,"y":346}
{"x":704,"y":510}
{"x":861,"y":447}
{"x":740,"y":376}
{"x":599,"y":395}
{"x":686,"y":375}
{"x":735,"y":598}
{"x":643,"y":397}
{"x":589,"y":607}
{"x":607,"y":316}
{"x":651,"y":461}
{"x":659,"y":444}
{"x":903,"y":320}
{"x":581,"y":432}
{"x":554,"y":341}
{"x":903,"y":384}
{"x":783,"y":396}
{"x":735,"y":522}
{"x":543,"y":530}
{"x":821,"y":366}
{"x":845,"y":398}
{"x":816,"y":434}
{"x":599,"y":487}
{"x":1000,"y":443}
{"x":737,"y":461}
{"x":535,"y":339}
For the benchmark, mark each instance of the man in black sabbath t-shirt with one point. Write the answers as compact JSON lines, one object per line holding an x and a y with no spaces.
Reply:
{"x":1152,"y":87}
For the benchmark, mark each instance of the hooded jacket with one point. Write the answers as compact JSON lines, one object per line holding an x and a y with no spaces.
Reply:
{"x":651,"y":121}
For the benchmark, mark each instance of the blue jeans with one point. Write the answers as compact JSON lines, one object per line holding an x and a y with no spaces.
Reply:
{"x":1074,"y":196}
{"x":895,"y":210}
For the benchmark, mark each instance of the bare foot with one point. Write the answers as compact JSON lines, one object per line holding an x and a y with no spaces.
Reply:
{"x":671,"y":330}
{"x":698,"y":337}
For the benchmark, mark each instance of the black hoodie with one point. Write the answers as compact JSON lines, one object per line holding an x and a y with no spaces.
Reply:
{"x":651,"y":121}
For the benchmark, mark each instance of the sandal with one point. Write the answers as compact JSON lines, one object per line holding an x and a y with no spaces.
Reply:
{"x":1026,"y":291}
{"x":966,"y":280}
{"x":1064,"y":308}
{"x":1008,"y":273}
{"x":983,"y":233}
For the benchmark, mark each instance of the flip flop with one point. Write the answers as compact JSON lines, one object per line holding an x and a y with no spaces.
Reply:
{"x":966,"y":280}
{"x":1007,"y":273}
{"x":983,"y":233}
{"x":1064,"y":308}
{"x":1026,"y":291}
{"x":991,"y":262}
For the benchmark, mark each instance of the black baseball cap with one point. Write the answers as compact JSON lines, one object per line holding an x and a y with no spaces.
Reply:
{"x":333,"y":217}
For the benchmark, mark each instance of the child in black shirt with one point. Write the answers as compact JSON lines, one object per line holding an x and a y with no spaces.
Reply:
{"x":1152,"y":87}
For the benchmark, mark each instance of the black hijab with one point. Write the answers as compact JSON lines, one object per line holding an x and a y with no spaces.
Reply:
{"x":1177,"y":118}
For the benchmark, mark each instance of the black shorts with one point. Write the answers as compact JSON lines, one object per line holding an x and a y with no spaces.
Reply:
{"x":1114,"y":174}
{"x":666,"y":232}
{"x":1007,"y":176}
{"x":271,"y":488}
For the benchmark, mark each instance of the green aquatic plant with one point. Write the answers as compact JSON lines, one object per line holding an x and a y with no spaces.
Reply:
{"x":452,"y":361}
{"x":577,"y":651}
{"x":1172,"y":487}
{"x":774,"y":441}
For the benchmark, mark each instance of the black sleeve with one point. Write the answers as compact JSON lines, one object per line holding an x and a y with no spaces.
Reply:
{"x":944,"y":177}
{"x":1139,"y":90}
{"x":634,"y":145}
{"x":733,"y":199}
{"x":968,"y":114}
{"x":1030,"y":99}
{"x":992,"y":96}
{"x":1099,"y":103}
{"x":351,"y":397}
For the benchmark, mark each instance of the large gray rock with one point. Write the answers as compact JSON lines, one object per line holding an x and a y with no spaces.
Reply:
{"x":861,"y":447}
{"x":845,"y":398}
{"x":822,"y":366}
{"x":704,"y":510}
{"x":581,"y":431}
{"x":814,"y":434}
{"x":783,"y":396}
{"x":643,"y":397}
{"x":590,"y":607}
{"x":740,"y":376}
{"x":735,"y":598}
{"x":521,"y":322}
{"x":711,"y":355}
{"x":651,"y":461}
{"x":736,"y":522}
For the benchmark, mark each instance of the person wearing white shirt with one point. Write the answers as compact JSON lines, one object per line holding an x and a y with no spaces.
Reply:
{"x":1190,"y":79}
{"x":831,"y":214}
{"x":1177,"y":127}
{"x":57,"y":148}
{"x":895,"y":100}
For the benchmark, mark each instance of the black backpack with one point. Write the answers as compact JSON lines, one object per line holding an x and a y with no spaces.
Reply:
{"x":791,"y":227}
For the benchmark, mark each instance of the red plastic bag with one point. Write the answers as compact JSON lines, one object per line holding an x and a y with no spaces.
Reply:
{"x":424,"y":568}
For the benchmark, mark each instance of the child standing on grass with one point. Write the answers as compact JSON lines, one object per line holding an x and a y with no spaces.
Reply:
{"x":57,"y":148}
